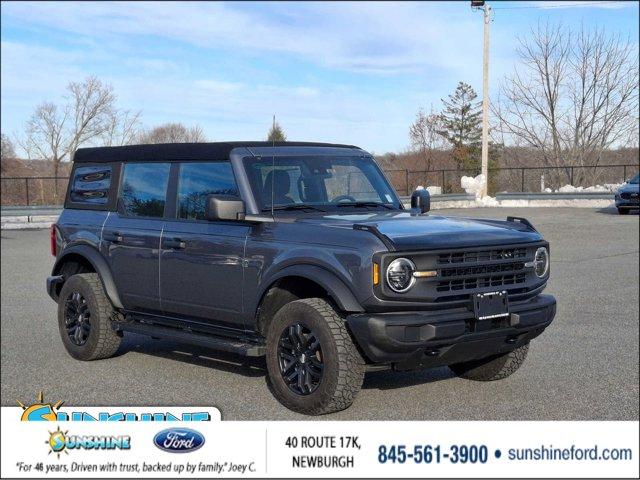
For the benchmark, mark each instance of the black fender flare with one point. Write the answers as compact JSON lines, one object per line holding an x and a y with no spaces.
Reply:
{"x":95,"y":258}
{"x":335,"y":287}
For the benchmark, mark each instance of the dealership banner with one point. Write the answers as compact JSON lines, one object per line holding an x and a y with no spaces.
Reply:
{"x":45,"y":440}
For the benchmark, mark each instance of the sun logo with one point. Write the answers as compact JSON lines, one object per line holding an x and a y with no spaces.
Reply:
{"x":40,"y":411}
{"x":57,"y":442}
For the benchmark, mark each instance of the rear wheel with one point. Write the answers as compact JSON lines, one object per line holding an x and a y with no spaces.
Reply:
{"x":84,"y":318}
{"x":496,"y":367}
{"x":313,"y":365}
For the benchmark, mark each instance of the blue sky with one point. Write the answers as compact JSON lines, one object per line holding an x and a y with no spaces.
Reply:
{"x":337,"y":72}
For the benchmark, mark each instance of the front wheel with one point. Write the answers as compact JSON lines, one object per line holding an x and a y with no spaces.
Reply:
{"x":313,"y":366}
{"x":84,"y":318}
{"x":623,"y":211}
{"x":496,"y":367}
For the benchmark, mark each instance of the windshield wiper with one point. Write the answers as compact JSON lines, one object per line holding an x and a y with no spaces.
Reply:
{"x":294,"y":206}
{"x":365,"y":204}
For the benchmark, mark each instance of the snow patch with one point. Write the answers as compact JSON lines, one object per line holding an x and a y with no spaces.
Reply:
{"x":473,"y":186}
{"x":487,"y":202}
{"x":607,"y":187}
{"x":433,"y":190}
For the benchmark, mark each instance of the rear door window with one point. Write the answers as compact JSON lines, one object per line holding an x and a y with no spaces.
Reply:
{"x":144,"y":189}
{"x":90,"y":185}
{"x":199,"y":179}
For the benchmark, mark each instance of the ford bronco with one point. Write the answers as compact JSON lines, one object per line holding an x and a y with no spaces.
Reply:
{"x":299,"y":252}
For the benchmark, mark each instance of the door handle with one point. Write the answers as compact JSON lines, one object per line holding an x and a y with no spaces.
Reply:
{"x":175,"y":243}
{"x":113,"y":237}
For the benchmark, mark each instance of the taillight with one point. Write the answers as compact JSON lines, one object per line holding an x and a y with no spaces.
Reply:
{"x":53,"y":240}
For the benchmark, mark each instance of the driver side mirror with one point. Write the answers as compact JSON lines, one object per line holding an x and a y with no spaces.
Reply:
{"x":421,"y":200}
{"x":224,"y":207}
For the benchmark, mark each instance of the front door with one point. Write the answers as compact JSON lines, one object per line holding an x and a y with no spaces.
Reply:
{"x":201,"y":262}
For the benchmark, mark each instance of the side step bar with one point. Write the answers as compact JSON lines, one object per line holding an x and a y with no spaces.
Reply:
{"x":246,"y":348}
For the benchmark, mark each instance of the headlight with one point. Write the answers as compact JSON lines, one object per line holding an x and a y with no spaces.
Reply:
{"x":541,"y":262}
{"x":400,"y":275}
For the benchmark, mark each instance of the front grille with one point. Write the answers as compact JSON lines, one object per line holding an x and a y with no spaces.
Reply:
{"x":628,"y":195}
{"x":466,"y":271}
{"x":481,"y":269}
{"x":481,"y":282}
{"x":482,"y":255}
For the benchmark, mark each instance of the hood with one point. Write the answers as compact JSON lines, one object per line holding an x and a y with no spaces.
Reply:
{"x":629,"y":187}
{"x":415,"y":232}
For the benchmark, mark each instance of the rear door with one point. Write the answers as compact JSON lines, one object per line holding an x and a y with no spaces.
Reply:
{"x":201,"y":263}
{"x":131,"y":236}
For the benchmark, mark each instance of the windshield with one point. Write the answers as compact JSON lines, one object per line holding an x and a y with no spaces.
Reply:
{"x":319,"y":182}
{"x":635,"y":179}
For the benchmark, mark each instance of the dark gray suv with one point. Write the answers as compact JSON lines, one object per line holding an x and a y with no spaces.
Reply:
{"x":299,"y":252}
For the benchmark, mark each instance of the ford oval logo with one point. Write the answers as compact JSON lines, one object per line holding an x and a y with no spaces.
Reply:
{"x":178,"y":440}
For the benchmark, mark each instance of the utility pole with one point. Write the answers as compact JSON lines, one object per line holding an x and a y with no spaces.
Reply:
{"x":485,"y":92}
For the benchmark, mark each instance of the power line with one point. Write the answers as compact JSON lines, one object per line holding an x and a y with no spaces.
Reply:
{"x":566,"y":5}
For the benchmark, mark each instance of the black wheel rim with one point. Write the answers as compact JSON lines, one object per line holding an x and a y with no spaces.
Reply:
{"x":77,"y":318}
{"x":300,"y":359}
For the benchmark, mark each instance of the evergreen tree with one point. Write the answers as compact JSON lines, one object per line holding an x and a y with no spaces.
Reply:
{"x":462,"y":125}
{"x":276,"y":134}
{"x":461,"y":122}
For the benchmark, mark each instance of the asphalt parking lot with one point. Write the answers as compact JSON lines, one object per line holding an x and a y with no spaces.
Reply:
{"x":585,"y":366}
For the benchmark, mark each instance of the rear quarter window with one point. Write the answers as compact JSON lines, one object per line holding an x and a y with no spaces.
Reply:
{"x":91,"y":185}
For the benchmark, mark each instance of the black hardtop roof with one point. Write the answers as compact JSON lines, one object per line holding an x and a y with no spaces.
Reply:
{"x":181,"y":151}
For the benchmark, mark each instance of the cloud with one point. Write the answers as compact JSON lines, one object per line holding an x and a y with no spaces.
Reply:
{"x":217,"y":86}
{"x":608,"y":4}
{"x":345,"y":72}
{"x":226,"y":110}
{"x":35,"y":70}
{"x":362,"y":37}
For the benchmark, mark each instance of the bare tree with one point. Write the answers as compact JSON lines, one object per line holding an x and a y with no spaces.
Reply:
{"x":425,"y":137}
{"x":173,"y":133}
{"x":123,"y":128}
{"x":92,"y":104}
{"x":574,"y":95}
{"x":54,"y":133}
{"x":8,"y":151}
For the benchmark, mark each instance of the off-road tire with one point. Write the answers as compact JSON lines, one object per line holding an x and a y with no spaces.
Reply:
{"x":343,"y":365}
{"x":102,"y":341}
{"x":623,"y":211}
{"x":496,"y":367}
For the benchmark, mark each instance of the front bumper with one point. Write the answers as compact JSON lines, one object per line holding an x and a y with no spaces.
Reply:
{"x":624,"y":203}
{"x":409,"y":340}
{"x":631,"y":200}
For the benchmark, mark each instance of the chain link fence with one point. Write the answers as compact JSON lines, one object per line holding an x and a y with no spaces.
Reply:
{"x":513,"y":179}
{"x":35,"y":191}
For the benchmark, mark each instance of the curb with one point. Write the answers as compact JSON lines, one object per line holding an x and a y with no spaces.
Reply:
{"x":27,"y":222}
{"x":25,"y":226}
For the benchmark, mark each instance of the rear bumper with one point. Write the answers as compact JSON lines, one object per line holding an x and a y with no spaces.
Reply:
{"x":409,"y":340}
